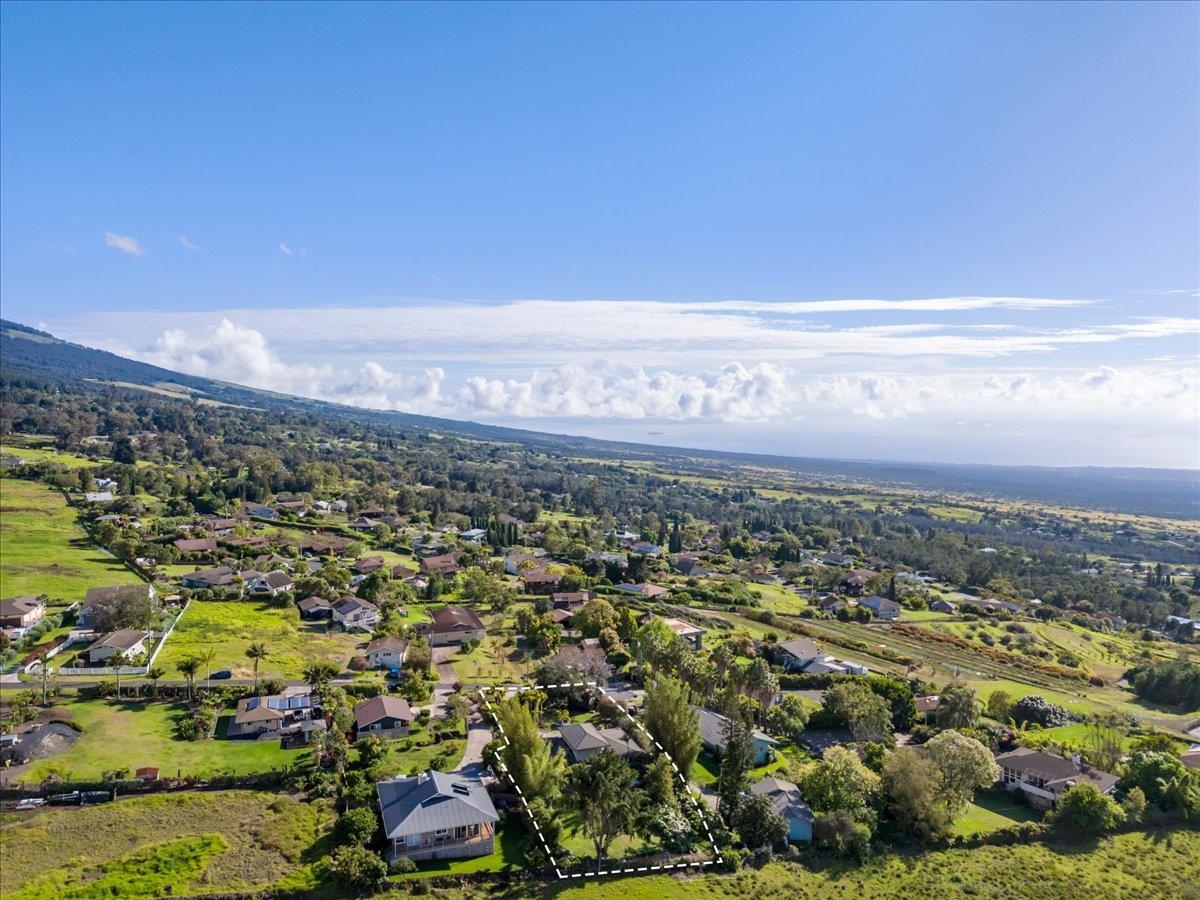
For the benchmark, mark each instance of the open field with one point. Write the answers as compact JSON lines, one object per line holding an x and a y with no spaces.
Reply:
{"x":1124,"y":867}
{"x":43,"y":549}
{"x":229,"y":627}
{"x":131,"y":734}
{"x":237,"y":840}
{"x":44,"y":454}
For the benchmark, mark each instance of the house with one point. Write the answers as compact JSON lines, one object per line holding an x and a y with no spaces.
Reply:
{"x":437,"y":816}
{"x":586,"y":740}
{"x":196,"y":545}
{"x":646,"y":548}
{"x":315,"y":608}
{"x":102,"y":595}
{"x":518,"y":561}
{"x":885,"y":610}
{"x":1043,"y":776}
{"x":854,"y":584}
{"x":219,"y":527}
{"x":442,"y":564}
{"x":117,"y":647}
{"x":789,"y":803}
{"x":274,"y":715}
{"x":383,"y":716}
{"x":273,"y":583}
{"x":386,"y":652}
{"x":474,"y":535}
{"x":259,"y":511}
{"x":713,"y":736}
{"x":355,"y":614}
{"x":942,"y":605}
{"x":250,"y":542}
{"x":690,"y":633}
{"x":927,"y":706}
{"x":798,"y":654}
{"x":368,"y":564}
{"x":649,"y":591}
{"x":206,"y":579}
{"x":146,"y":774}
{"x":571,"y":600}
{"x":452,"y":625}
{"x":299,"y":507}
{"x":542,"y":582}
{"x":21,"y":612}
{"x":691,"y":568}
{"x":363,"y":523}
{"x":832,"y":603}
{"x":98,"y":496}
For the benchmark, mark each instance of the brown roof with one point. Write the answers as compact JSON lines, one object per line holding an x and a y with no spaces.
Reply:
{"x":387,"y":642}
{"x":368,"y":564}
{"x":383,"y":706}
{"x":1057,"y":771}
{"x":196,"y":545}
{"x":455,"y":618}
{"x":314,"y":602}
{"x":927,"y":704}
{"x":13,"y":606}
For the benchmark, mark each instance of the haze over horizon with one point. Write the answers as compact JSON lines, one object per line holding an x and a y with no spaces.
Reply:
{"x":921,"y":232}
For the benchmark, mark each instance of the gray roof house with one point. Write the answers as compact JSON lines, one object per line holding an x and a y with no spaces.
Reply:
{"x":789,"y":803}
{"x":799,"y":653}
{"x":712,"y":735}
{"x":1042,"y":776}
{"x":436,"y":815}
{"x":586,"y":740}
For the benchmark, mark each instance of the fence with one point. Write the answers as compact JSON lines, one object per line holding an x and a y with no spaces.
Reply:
{"x":35,"y":666}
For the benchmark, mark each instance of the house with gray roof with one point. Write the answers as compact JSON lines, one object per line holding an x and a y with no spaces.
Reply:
{"x":1043,"y":776}
{"x":713,"y":735}
{"x":583,"y":741}
{"x":789,"y":803}
{"x":436,"y":815}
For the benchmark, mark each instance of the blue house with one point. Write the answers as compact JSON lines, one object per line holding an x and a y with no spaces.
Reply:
{"x":789,"y":803}
{"x":713,"y":735}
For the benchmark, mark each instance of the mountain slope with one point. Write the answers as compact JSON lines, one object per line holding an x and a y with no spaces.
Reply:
{"x":1164,"y":492}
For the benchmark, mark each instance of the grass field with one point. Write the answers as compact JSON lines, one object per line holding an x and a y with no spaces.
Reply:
{"x":492,"y":662}
{"x":44,"y":551}
{"x":990,"y":811}
{"x":135,"y":734}
{"x":229,"y":627}
{"x":177,"y":844}
{"x":42,"y":454}
{"x":1123,"y":867}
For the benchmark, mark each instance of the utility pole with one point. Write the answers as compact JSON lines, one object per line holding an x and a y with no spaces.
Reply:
{"x":45,"y":675}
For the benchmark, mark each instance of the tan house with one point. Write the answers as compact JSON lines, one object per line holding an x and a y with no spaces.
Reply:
{"x":453,"y":625}
{"x":21,"y":612}
{"x":386,"y":652}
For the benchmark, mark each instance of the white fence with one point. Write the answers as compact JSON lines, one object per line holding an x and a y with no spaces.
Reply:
{"x":75,"y":672}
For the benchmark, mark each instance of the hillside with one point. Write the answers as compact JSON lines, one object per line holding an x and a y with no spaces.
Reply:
{"x":1159,"y":492}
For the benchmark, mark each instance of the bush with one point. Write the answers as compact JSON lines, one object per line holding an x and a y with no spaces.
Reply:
{"x":1035,"y":710}
{"x":402,"y":865}
{"x":356,"y":826}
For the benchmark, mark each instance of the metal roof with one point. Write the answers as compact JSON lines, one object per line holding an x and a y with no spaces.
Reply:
{"x":431,"y":801}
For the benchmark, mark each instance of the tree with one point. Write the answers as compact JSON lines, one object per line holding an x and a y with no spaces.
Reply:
{"x":999,"y":705}
{"x":841,"y":833}
{"x":841,"y":782}
{"x":154,"y":673}
{"x":317,"y":675}
{"x":356,"y":826}
{"x":357,"y":867}
{"x":671,"y":720}
{"x":760,"y":826}
{"x":256,"y":653}
{"x":965,"y":764}
{"x":760,"y":682}
{"x":206,"y":658}
{"x":126,"y":607}
{"x":737,"y":757}
{"x":659,"y":781}
{"x":957,"y":707}
{"x":865,"y":713}
{"x":1083,"y":809}
{"x":1165,"y":781}
{"x":601,"y":791}
{"x":912,"y":784}
{"x":595,"y":616}
{"x":528,"y":757}
{"x":188,"y":668}
{"x":788,"y":716}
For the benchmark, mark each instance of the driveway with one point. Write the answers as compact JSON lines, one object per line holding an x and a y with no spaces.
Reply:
{"x":479,"y":733}
{"x":445,"y":683}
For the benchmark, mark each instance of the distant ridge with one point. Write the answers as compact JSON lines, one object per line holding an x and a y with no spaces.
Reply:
{"x":26,"y":351}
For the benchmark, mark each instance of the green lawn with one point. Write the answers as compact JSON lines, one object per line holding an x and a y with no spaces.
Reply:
{"x":44,"y":551}
{"x":415,"y":753}
{"x":229,"y":627}
{"x":512,"y":841}
{"x":991,"y":810}
{"x":492,"y":662}
{"x":251,"y":841}
{"x":41,"y":454}
{"x":134,"y":734}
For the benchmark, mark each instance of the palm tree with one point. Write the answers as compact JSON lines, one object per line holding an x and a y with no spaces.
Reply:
{"x":155,"y":673}
{"x":207,"y":657}
{"x":256,"y":652}
{"x":188,"y":668}
{"x":318,"y":675}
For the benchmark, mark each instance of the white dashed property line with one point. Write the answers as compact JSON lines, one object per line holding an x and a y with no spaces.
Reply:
{"x":518,"y":688}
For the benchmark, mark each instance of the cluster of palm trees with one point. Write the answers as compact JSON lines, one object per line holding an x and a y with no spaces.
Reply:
{"x":190,"y":666}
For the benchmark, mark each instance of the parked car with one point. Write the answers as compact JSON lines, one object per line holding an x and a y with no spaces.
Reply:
{"x":222,"y":675}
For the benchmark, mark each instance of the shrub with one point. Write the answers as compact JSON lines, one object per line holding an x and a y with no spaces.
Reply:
{"x":402,"y":865}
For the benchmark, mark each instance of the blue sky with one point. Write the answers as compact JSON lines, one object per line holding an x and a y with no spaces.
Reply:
{"x":608,"y":218}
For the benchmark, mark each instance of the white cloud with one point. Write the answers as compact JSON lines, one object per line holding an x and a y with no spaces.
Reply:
{"x":124,"y":243}
{"x":285,"y":249}
{"x":188,"y":245}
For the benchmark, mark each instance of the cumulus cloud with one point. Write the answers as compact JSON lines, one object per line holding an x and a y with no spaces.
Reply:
{"x":124,"y":243}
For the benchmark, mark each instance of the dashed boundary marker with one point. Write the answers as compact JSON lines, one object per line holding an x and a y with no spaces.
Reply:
{"x":627,"y":870}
